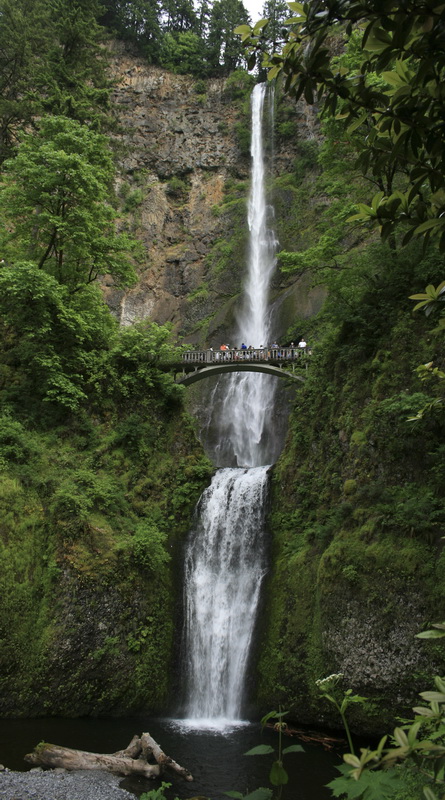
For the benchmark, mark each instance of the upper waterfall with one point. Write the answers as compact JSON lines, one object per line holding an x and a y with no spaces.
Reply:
{"x":248,"y":400}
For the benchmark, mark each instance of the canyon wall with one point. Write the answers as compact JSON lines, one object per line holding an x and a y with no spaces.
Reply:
{"x":183,"y":151}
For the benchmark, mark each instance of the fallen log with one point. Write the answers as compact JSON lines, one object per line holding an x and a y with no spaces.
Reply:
{"x":149,"y":744}
{"x":133,"y":760}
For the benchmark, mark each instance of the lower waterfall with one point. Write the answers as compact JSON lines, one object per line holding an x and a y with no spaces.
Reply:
{"x":224,"y":567}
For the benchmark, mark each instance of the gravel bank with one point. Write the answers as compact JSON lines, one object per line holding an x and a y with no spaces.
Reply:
{"x":54,"y":785}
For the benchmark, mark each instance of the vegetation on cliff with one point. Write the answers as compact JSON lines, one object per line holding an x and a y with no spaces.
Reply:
{"x":357,"y":511}
{"x":99,"y":465}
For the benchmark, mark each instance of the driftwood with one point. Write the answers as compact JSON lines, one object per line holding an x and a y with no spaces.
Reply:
{"x":134,"y":760}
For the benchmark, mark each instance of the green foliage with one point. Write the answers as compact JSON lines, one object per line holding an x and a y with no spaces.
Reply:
{"x":156,"y":794}
{"x":182,"y":52}
{"x":375,"y":770}
{"x":50,"y":62}
{"x":306,"y":159}
{"x":242,"y":131}
{"x":52,"y":341}
{"x":200,"y":87}
{"x":226,"y":53}
{"x":278,"y":775}
{"x":328,"y":688}
{"x":177,"y":187}
{"x":133,"y":200}
{"x":130,"y":369}
{"x":84,"y":519}
{"x":239,"y":85}
{"x":286,"y":130}
{"x":55,"y":196}
{"x":399,"y":68}
{"x":258,"y":794}
{"x":16,"y":445}
{"x":373,"y":786}
{"x":437,"y":632}
{"x":147,"y":548}
{"x":430,"y":298}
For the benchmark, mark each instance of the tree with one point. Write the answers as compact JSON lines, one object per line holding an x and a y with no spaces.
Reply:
{"x":183,"y":53}
{"x":24,"y":42}
{"x":204,"y":10}
{"x":180,"y":16}
{"x":277,"y":12}
{"x":137,"y":21}
{"x":51,"y":341}
{"x":50,"y":61}
{"x":226,"y":54}
{"x":74,"y":83}
{"x":55,"y":195}
{"x":401,"y":117}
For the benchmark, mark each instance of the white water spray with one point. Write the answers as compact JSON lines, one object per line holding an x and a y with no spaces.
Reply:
{"x":223,"y":573}
{"x":225,"y":558}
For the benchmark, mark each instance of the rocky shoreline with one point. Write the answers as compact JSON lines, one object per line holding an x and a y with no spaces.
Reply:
{"x":39,"y":784}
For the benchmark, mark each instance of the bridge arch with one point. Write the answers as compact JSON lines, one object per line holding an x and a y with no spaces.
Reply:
{"x":220,"y":369}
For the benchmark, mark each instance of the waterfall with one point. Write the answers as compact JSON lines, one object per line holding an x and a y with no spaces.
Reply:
{"x":225,"y":559}
{"x":248,"y":399}
{"x":223,"y":573}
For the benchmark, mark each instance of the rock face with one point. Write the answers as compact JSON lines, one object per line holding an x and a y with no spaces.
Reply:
{"x":182,"y":156}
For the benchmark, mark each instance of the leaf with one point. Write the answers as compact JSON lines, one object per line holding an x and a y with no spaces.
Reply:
{"x":376,"y":200}
{"x":429,"y":225}
{"x":433,"y":697}
{"x":243,"y":29}
{"x":423,"y":711}
{"x":356,"y":124}
{"x":400,"y":737}
{"x":259,"y":794}
{"x":412,"y":733}
{"x":393,"y":79}
{"x":273,"y":72}
{"x":294,"y":748}
{"x":429,"y":794}
{"x":258,"y":27}
{"x":351,"y":759}
{"x":278,"y":775}
{"x":297,"y":7}
{"x":371,"y":785}
{"x":260,"y":750}
{"x":269,"y":716}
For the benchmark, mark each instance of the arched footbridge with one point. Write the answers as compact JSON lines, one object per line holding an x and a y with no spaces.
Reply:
{"x":282,"y":362}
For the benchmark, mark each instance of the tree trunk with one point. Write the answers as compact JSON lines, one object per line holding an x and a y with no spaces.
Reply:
{"x":131,"y":761}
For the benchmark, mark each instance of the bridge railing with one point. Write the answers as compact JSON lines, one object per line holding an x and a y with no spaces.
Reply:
{"x":251,"y":354}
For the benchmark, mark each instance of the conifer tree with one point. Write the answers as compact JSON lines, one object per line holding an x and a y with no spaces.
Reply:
{"x":226,"y":52}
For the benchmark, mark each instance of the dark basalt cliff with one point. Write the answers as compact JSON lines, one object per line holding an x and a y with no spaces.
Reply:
{"x":184,"y":168}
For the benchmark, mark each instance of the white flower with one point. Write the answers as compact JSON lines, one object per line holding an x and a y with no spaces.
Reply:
{"x":324,"y":684}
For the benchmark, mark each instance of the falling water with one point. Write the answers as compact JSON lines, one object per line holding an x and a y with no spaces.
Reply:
{"x":223,"y":573}
{"x":225,"y":558}
{"x":248,"y":398}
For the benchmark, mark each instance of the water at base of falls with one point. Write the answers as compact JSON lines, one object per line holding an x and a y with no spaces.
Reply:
{"x":225,"y":564}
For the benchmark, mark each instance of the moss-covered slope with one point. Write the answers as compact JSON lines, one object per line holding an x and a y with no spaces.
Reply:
{"x":357,"y":503}
{"x":94,"y":508}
